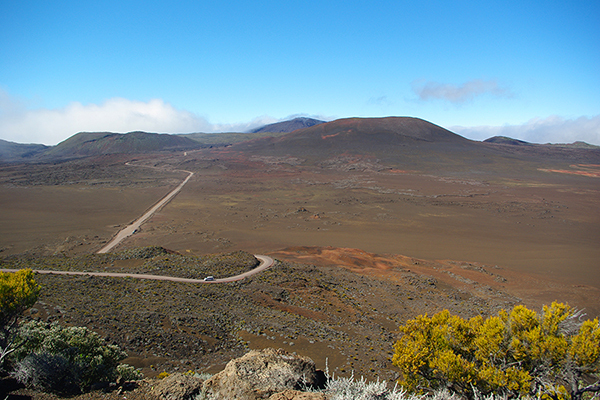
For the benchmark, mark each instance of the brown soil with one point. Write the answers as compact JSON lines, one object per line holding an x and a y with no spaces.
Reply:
{"x":363,"y":247}
{"x":539,"y":222}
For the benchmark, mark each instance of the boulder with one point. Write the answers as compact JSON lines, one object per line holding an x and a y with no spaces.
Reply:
{"x":177,"y":387}
{"x":260,"y":374}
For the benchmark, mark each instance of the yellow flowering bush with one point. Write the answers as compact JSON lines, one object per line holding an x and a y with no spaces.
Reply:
{"x":552,"y":354}
{"x":18,"y":292}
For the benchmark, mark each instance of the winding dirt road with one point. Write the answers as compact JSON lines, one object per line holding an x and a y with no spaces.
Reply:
{"x":265,"y":262}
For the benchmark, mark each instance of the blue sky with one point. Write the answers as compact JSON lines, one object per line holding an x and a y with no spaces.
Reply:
{"x":527,"y":69}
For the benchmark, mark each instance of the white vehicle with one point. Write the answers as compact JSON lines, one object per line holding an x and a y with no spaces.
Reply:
{"x":209,"y":279}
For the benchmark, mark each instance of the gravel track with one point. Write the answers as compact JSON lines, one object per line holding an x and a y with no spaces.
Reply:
{"x":265,"y":262}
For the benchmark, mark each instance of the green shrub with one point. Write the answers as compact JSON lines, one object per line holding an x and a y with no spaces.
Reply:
{"x":129,"y":373}
{"x":84,"y":351}
{"x":48,"y":373}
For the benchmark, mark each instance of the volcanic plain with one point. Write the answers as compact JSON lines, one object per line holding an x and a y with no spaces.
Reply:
{"x":371,"y":221}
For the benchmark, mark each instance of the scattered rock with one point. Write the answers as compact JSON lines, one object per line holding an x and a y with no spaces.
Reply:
{"x":260,"y":374}
{"x":178,"y":387}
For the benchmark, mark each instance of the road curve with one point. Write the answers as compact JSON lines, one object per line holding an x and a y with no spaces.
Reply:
{"x":130,"y":229}
{"x":265,"y":262}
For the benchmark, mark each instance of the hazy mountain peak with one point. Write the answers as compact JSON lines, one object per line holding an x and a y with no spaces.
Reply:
{"x":288,"y":126}
{"x":506,"y":140}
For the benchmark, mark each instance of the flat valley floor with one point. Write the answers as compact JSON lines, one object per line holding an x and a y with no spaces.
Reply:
{"x":545,"y":223}
{"x":534,"y":235}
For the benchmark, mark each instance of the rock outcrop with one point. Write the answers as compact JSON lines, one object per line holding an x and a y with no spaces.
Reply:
{"x":177,"y":387}
{"x":262,"y":374}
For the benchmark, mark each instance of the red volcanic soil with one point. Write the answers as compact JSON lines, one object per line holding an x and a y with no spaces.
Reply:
{"x":471,"y":277}
{"x":589,"y":170}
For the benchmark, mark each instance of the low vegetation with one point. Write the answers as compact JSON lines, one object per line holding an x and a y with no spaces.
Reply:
{"x":66,"y":360}
{"x":553,"y":354}
{"x":18,"y":292}
{"x":46,"y":356}
{"x":153,"y":260}
{"x":320,"y":312}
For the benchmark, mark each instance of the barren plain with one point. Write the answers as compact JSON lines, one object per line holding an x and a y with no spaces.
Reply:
{"x":363,"y":244}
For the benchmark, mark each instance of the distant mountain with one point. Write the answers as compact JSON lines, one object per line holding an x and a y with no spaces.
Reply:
{"x":379,"y":137}
{"x":575,"y":145}
{"x":86,"y":144}
{"x":409,"y":144}
{"x":288,"y":126}
{"x":506,"y":140}
{"x":11,"y":152}
{"x":517,"y":142}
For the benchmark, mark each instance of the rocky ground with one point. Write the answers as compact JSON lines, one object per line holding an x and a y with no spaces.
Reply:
{"x":266,"y":374}
{"x":347,"y":319}
{"x":338,"y":305}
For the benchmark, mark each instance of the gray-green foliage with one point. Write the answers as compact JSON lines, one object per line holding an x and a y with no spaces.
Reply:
{"x":72,"y":348}
{"x":48,"y":373}
{"x":129,"y":373}
{"x":349,"y":388}
{"x":339,"y":388}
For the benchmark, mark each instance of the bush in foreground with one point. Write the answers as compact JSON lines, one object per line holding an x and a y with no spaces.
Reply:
{"x":48,"y":373}
{"x":18,"y":292}
{"x":76,"y":356}
{"x":552,"y":354}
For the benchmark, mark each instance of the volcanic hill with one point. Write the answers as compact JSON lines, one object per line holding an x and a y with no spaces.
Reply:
{"x":507,"y":140}
{"x":11,"y":152}
{"x":85,"y":144}
{"x":288,"y":126}
{"x":410,"y":144}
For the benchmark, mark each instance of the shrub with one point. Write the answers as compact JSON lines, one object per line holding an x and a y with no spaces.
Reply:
{"x":48,"y":373}
{"x":84,"y":351}
{"x":129,"y":373}
{"x":349,"y":388}
{"x":163,"y":375}
{"x":18,"y":292}
{"x":550,"y":354}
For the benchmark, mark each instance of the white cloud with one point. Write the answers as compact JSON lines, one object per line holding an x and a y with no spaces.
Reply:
{"x":50,"y":126}
{"x":458,"y":94}
{"x":553,"y":129}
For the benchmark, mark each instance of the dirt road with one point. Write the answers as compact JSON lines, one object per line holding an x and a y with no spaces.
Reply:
{"x":265,"y":262}
{"x":130,"y":229}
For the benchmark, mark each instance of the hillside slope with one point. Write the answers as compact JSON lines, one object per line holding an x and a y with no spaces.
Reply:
{"x":10,"y":151}
{"x":288,"y":126}
{"x":412,"y":144}
{"x":86,"y":144}
{"x":391,"y":140}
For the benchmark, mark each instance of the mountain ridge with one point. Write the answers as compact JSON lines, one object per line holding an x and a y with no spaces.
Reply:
{"x":85,"y":144}
{"x":382,"y":138}
{"x":387,"y":138}
{"x":11,"y":151}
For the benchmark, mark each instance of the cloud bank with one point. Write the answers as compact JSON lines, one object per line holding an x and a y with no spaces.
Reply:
{"x":51,"y":126}
{"x":458,"y":94}
{"x":553,"y":129}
